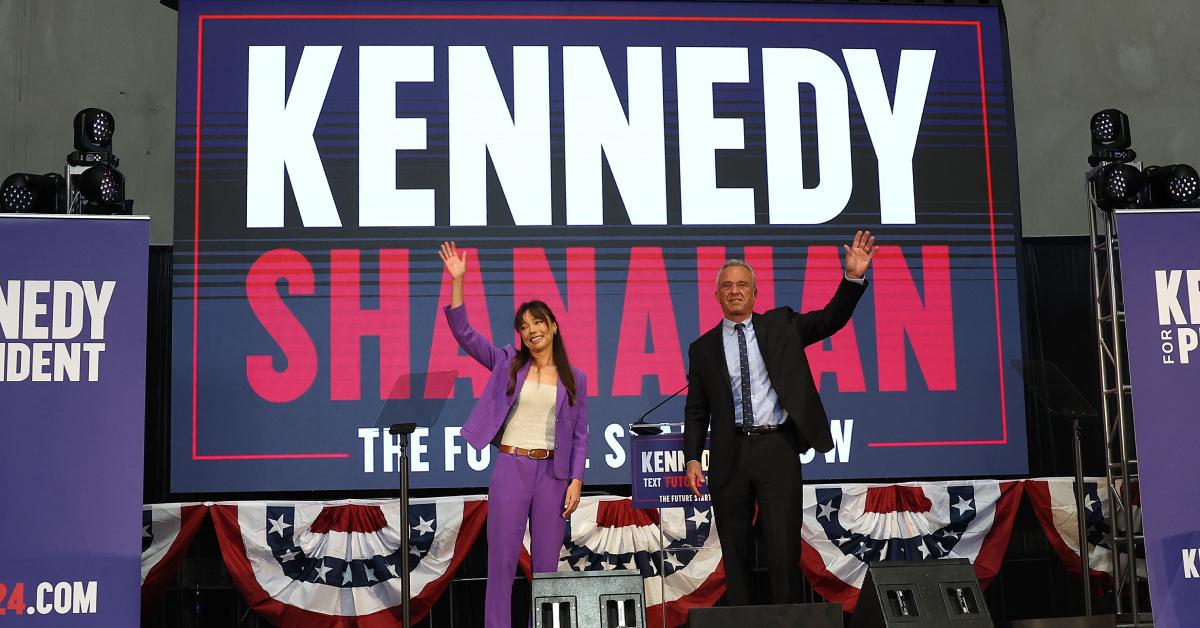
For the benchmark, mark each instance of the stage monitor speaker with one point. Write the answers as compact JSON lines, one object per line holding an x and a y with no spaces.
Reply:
{"x":921,"y":594}
{"x":588,"y":599}
{"x":774,"y":616}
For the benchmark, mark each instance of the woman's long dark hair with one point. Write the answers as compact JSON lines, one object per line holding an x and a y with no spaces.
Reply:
{"x":541,"y":311}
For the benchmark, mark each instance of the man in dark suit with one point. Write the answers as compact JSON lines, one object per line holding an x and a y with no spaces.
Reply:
{"x":749,"y":380}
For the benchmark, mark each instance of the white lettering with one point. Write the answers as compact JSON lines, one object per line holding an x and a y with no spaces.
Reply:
{"x":1188,"y":341}
{"x":417,"y":450}
{"x":18,"y":362}
{"x":368,"y":436}
{"x":1166,"y":286}
{"x":68,"y":310}
{"x":702,"y":134}
{"x":595,"y":124}
{"x":481,"y":126}
{"x":789,"y":200}
{"x":1193,"y":288}
{"x":41,"y":361}
{"x":30,"y":329}
{"x":84,"y":598}
{"x":842,"y":432}
{"x":613,"y":434}
{"x":381,"y":134}
{"x":1189,"y":563}
{"x":66,"y":361}
{"x":97,"y":304}
{"x":62,"y":598}
{"x":93,"y":351}
{"x":450,"y":445}
{"x":893,"y":129}
{"x":279,"y":136}
{"x":10,"y":310}
{"x":44,"y":607}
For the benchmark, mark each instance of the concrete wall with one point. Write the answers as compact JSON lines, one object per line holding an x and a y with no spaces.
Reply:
{"x":60,"y":56}
{"x":1070,"y":58}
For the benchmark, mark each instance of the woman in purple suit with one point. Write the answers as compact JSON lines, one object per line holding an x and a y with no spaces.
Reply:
{"x":534,"y":409}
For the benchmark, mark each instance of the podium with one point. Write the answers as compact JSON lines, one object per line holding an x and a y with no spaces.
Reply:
{"x":659,"y":477}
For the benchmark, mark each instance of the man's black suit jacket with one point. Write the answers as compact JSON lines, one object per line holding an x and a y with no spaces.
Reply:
{"x":782,"y":334}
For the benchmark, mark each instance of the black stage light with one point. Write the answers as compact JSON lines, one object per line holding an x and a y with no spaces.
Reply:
{"x":1117,"y":186}
{"x":33,"y":194}
{"x":102,"y":190}
{"x":94,"y":130}
{"x":1170,"y":186}
{"x":1110,"y":137}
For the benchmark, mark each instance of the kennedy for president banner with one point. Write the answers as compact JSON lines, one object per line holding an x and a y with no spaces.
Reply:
{"x":72,"y":411}
{"x":606,"y":158}
{"x":1160,"y":283}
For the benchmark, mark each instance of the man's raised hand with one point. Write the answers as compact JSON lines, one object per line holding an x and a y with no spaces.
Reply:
{"x":859,"y":254}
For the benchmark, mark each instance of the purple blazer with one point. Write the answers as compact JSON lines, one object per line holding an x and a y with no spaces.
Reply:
{"x":483,"y":426}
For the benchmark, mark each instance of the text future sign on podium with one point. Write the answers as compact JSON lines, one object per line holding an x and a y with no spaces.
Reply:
{"x":659,"y":471}
{"x":1160,"y":281}
{"x":72,"y":412}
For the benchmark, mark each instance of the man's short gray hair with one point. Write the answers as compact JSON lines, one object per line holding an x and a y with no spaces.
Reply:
{"x":736,"y":262}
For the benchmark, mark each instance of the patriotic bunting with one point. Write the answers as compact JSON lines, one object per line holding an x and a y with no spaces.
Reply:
{"x":309,"y":564}
{"x":1053,"y":501}
{"x":167,"y":531}
{"x":848,"y":526}
{"x":335,"y":563}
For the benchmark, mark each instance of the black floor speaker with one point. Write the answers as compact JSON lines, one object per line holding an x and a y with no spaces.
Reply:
{"x":921,"y":594}
{"x":773,"y":616}
{"x":588,"y":599}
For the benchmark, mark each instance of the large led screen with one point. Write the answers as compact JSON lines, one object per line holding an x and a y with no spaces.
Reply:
{"x":605,"y":157}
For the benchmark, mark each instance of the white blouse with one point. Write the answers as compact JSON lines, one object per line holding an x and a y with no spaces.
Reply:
{"x":530,"y":424}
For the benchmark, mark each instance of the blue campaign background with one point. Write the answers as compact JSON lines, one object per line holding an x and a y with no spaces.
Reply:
{"x":963,"y":245}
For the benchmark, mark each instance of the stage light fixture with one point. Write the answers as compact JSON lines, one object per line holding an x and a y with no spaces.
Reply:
{"x":1118,"y":186}
{"x":1177,"y":185}
{"x":33,"y":194}
{"x":94,"y":185}
{"x":1110,"y":137}
{"x":94,"y":130}
{"x":102,"y":190}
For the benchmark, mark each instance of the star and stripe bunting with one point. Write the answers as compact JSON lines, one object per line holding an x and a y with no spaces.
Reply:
{"x":1053,"y":501}
{"x":336,"y":563}
{"x":167,"y":531}
{"x":848,"y":526}
{"x":309,"y":564}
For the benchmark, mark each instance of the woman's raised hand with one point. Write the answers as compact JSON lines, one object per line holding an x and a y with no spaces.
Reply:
{"x":456,"y":262}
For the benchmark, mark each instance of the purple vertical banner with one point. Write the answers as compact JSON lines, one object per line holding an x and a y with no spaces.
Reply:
{"x":660,"y":472}
{"x":72,"y":410}
{"x":1160,"y":275}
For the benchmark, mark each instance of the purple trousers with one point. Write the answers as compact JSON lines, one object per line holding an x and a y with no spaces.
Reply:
{"x":521,"y":490}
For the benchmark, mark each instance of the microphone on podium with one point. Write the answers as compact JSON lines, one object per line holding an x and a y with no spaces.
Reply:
{"x":643,"y":428}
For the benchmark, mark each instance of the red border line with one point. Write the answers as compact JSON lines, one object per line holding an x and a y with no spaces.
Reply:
{"x":987,"y":156}
{"x":196,"y":285}
{"x":626,"y":18}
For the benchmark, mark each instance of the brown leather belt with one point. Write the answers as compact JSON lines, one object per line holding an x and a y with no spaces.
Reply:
{"x":535,"y":454}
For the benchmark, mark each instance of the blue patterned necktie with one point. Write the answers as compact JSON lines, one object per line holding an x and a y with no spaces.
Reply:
{"x":744,"y":363}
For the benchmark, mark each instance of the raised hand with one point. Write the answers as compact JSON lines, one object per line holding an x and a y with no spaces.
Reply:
{"x":456,"y":262}
{"x":859,"y":254}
